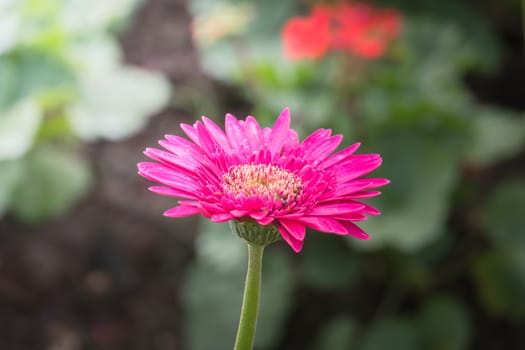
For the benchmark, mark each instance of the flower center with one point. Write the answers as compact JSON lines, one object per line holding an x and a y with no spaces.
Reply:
{"x":263,"y":180}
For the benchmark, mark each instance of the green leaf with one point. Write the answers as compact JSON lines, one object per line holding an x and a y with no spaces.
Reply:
{"x":8,"y":84}
{"x":116,"y":102}
{"x":414,"y":205}
{"x":10,"y":173}
{"x":214,"y":287}
{"x":505,"y":215}
{"x":95,"y":52}
{"x":18,"y":128}
{"x":465,"y":43}
{"x":31,"y":74}
{"x":444,"y":324}
{"x":9,"y":27}
{"x":500,"y":277}
{"x":42,"y":72}
{"x":220,"y":60}
{"x":51,"y":183}
{"x":328,"y":264}
{"x":391,"y":334}
{"x":41,"y":17}
{"x":271,"y":15}
{"x":88,"y":16}
{"x":336,"y":334}
{"x":497,"y":135}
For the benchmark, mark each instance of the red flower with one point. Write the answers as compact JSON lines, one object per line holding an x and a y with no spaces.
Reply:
{"x":358,"y":28}
{"x":364,"y":30}
{"x":307,"y":37}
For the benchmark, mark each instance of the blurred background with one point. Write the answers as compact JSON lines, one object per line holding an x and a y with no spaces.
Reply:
{"x":88,"y":262}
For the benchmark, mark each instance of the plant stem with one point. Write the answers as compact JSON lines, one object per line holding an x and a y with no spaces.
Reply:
{"x":250,"y":302}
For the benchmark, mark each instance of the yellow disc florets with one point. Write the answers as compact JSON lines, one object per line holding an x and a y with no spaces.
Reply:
{"x":263,"y":180}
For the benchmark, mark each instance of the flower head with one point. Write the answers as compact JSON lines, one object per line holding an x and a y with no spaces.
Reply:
{"x":307,"y":37}
{"x":364,"y":30}
{"x":358,"y":28}
{"x":265,"y":176}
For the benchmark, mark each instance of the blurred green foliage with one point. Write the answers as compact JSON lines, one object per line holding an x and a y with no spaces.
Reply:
{"x":338,"y":333}
{"x":62,"y":83}
{"x":500,"y":273}
{"x":414,"y":108}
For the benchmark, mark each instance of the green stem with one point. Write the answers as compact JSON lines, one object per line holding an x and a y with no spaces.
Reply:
{"x":250,"y":302}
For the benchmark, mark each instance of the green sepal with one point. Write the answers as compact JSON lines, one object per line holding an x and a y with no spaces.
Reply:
{"x":254,"y":233}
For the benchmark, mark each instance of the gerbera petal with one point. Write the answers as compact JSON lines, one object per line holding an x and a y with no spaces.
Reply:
{"x":323,"y":224}
{"x":181,"y":211}
{"x":193,"y":156}
{"x":218,"y":135}
{"x":341,"y":155}
{"x":182,"y":148}
{"x":296,"y":244}
{"x":253,"y":132}
{"x":235,"y":133}
{"x":222,"y":217}
{"x":291,"y":142}
{"x":314,"y":139}
{"x":169,"y":177}
{"x":297,"y":230}
{"x":359,"y":185}
{"x":320,"y":144}
{"x":359,"y":160}
{"x":267,"y":220}
{"x":258,"y":215}
{"x":354,"y":230}
{"x":350,"y":172}
{"x":336,"y":209}
{"x":326,"y":148}
{"x":365,"y":194}
{"x":168,"y":191}
{"x":239,"y":213}
{"x":334,"y":226}
{"x":370,"y":210}
{"x":279,"y":132}
{"x":206,"y":142}
{"x":171,"y":160}
{"x":350,"y":217}
{"x":191,"y":132}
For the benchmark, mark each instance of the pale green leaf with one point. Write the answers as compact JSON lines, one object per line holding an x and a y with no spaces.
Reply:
{"x":33,"y":74}
{"x":500,"y":278}
{"x":8,"y":84}
{"x":95,"y":52}
{"x":52,"y":181}
{"x":391,"y":334}
{"x":336,"y":334}
{"x":9,"y":28}
{"x":497,"y":135}
{"x":444,"y":324}
{"x":505,"y":214}
{"x":116,"y":102}
{"x":327,"y":263}
{"x":18,"y":127}
{"x":89,"y":16}
{"x":10,"y":173}
{"x":414,"y":205}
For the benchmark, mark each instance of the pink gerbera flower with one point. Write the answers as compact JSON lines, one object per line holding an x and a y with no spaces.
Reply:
{"x":265,"y":176}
